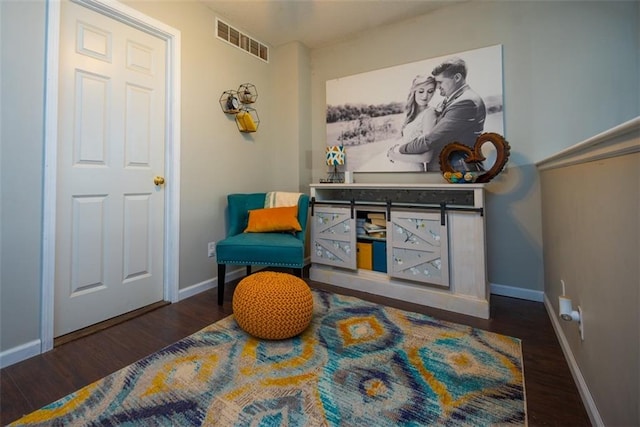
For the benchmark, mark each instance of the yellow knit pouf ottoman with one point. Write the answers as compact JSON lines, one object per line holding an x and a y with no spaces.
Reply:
{"x":272,"y":305}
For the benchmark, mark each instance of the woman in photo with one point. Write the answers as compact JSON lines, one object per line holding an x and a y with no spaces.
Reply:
{"x":419,"y":120}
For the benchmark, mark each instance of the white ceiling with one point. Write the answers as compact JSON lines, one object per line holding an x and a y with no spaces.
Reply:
{"x":316,"y":23}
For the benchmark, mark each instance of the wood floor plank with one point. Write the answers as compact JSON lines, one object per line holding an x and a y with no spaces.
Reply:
{"x":552,"y":397}
{"x":16,"y":404}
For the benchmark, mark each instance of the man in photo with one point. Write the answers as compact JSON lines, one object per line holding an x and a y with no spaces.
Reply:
{"x":460,"y":117}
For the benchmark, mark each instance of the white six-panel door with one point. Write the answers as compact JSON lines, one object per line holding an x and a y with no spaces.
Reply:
{"x":111,"y":142}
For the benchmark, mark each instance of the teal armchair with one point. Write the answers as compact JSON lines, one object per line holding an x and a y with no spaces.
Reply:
{"x":267,"y":249}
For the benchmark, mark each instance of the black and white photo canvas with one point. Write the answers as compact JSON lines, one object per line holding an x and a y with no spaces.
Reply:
{"x":376,"y":117}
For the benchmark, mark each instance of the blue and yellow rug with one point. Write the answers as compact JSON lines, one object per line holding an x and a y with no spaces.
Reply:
{"x":358,"y":364}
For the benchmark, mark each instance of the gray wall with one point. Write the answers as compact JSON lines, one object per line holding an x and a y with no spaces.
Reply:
{"x":570,"y":71}
{"x":22,"y":42}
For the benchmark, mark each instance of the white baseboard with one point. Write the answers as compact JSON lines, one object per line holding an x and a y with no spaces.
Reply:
{"x":19,"y":353}
{"x":211,"y":283}
{"x":514,"y":292}
{"x":192,"y":290}
{"x":583,"y":389}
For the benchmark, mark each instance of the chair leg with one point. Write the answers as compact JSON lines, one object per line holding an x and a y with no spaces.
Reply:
{"x":249,"y":270}
{"x":221,"y":274}
{"x":299,"y":272}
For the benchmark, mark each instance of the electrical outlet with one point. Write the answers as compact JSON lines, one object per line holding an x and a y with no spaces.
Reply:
{"x":211,"y":249}
{"x":581,"y":323}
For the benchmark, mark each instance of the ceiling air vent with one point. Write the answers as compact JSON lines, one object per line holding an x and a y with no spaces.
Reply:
{"x":240,"y":40}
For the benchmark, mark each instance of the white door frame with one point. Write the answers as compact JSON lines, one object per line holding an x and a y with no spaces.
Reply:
{"x":171,"y":254}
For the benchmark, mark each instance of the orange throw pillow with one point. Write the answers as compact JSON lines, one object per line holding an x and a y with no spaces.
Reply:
{"x":273,"y":219}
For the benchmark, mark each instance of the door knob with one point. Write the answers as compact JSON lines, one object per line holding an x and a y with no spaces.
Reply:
{"x":158,"y":180}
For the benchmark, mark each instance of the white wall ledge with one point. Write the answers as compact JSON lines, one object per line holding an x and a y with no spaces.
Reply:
{"x":617,"y":141}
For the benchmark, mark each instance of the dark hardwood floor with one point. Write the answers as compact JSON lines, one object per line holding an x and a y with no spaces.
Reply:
{"x":552,"y":397}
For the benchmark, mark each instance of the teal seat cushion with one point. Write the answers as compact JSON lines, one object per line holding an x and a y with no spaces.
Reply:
{"x":273,"y":249}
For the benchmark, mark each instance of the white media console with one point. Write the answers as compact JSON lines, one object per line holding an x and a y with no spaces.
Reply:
{"x":432,"y":250}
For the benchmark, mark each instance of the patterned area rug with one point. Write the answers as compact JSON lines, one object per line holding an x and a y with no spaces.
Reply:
{"x":358,"y":364}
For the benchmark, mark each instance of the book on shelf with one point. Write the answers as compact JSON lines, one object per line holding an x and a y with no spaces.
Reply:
{"x":379,"y":221}
{"x":379,"y":215}
{"x":377,"y":234}
{"x":377,"y":218}
{"x":368,"y":226}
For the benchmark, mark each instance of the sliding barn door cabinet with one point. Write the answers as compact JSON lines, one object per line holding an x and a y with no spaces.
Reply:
{"x":415,"y":242}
